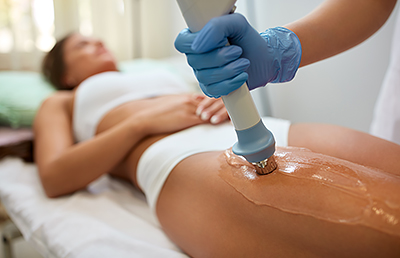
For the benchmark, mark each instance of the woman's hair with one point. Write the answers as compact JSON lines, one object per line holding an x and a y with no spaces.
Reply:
{"x":53,"y":66}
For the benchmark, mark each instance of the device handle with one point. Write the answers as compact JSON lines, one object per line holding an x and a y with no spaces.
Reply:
{"x":241,"y":108}
{"x":239,"y":103}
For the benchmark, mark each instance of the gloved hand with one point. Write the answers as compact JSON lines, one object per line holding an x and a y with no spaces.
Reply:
{"x":272,"y":56}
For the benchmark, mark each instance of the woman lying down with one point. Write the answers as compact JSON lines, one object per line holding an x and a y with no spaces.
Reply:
{"x":335,"y":193}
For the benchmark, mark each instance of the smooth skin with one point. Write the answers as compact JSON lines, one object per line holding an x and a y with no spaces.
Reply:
{"x":338,"y":25}
{"x":207,"y":217}
{"x":196,"y":208}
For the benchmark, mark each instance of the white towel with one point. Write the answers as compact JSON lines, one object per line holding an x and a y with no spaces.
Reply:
{"x":110,"y":219}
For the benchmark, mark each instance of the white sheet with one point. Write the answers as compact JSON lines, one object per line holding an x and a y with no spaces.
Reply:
{"x":110,"y":219}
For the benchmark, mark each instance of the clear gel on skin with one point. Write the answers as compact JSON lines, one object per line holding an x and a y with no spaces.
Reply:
{"x":320,"y":186}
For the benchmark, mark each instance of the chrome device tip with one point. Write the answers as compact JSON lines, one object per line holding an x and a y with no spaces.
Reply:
{"x":266,"y":166}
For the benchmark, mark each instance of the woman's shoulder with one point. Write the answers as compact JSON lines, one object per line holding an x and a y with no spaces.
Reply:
{"x":55,"y":108}
{"x":58,"y":102}
{"x":58,"y":98}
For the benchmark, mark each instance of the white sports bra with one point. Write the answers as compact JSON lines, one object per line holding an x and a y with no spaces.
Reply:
{"x":101,"y":93}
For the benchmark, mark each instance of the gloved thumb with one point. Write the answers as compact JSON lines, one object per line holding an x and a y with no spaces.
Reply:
{"x":218,"y":30}
{"x":183,"y":42}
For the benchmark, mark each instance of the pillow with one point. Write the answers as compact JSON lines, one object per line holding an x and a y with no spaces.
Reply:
{"x":21,"y":94}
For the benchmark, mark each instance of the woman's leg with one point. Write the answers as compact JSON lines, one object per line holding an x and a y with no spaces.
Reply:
{"x":348,"y":144}
{"x":212,"y":209}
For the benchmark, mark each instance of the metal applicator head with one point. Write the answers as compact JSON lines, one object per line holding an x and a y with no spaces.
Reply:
{"x":257,"y":145}
{"x":266,"y":166}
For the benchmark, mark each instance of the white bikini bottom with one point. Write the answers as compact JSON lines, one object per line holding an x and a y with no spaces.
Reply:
{"x":161,"y":157}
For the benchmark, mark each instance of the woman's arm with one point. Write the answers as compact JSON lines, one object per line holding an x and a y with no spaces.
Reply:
{"x":337,"y":25}
{"x":64,"y":166}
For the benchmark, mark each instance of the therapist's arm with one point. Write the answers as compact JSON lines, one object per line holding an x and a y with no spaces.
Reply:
{"x":337,"y":25}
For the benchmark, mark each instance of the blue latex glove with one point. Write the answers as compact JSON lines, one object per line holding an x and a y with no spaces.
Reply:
{"x":271,"y":56}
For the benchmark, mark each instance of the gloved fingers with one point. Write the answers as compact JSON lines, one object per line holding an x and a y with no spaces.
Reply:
{"x":184,"y":40}
{"x":217,"y":31}
{"x":216,"y":58}
{"x":215,"y":75}
{"x":223,"y":88}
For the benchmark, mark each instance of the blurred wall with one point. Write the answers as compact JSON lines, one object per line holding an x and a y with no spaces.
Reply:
{"x":340,"y":90}
{"x":161,"y":23}
{"x":130,"y":28}
{"x":110,"y":20}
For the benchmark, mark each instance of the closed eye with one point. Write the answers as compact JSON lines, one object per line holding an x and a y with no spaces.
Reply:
{"x":81,"y":44}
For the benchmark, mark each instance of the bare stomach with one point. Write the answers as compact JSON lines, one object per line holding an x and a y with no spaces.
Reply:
{"x":127,"y":168}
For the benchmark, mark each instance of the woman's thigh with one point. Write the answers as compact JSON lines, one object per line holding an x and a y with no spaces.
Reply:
{"x":208,"y":217}
{"x":348,"y":144}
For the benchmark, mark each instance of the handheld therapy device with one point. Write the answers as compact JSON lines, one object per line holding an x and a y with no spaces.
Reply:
{"x":255,"y":142}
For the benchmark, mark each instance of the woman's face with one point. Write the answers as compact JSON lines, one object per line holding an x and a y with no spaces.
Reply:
{"x":84,"y":57}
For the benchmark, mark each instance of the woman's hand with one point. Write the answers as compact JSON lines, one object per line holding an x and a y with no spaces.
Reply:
{"x":168,"y":114}
{"x":212,"y":110}
{"x":172,"y":113}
